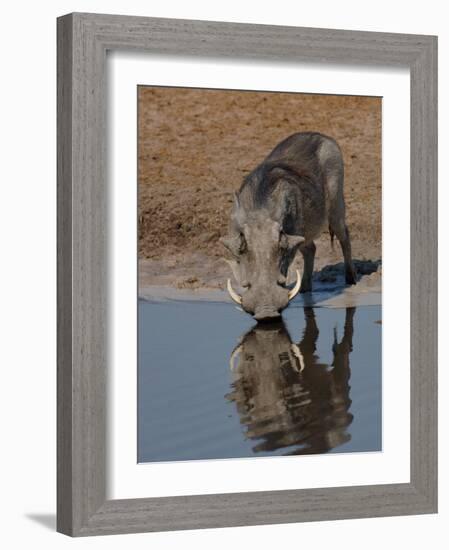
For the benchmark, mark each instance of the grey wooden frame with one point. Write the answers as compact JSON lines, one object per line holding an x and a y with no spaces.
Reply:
{"x":83,"y":40}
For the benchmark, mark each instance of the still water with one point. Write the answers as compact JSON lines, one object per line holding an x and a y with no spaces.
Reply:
{"x":212,"y":384}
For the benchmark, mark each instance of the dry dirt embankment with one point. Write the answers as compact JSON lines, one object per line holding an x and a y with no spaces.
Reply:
{"x":195,"y":147}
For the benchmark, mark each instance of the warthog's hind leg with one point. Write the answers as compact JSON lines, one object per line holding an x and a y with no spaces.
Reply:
{"x":308,"y":253}
{"x":345,"y":242}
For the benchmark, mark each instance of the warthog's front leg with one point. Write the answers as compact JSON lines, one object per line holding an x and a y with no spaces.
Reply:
{"x":308,"y":253}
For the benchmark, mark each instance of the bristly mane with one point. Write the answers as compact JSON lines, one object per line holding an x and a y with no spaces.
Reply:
{"x":264,"y":178}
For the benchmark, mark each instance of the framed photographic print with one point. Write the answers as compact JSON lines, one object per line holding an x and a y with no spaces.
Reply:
{"x":246,"y":274}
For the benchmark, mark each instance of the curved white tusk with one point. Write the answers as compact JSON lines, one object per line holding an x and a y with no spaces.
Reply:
{"x":294,"y":291}
{"x":234,"y":354}
{"x":237,"y":299}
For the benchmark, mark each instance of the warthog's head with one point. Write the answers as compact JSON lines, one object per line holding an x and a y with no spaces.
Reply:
{"x":262,"y":253}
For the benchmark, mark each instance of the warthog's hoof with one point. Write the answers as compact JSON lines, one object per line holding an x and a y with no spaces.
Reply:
{"x":305,"y":288}
{"x":351,"y":277}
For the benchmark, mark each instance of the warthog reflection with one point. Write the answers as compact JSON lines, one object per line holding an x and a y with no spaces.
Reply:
{"x":285,"y":397}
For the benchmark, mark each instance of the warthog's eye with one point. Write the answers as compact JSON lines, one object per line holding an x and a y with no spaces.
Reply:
{"x":289,"y":241}
{"x":283,"y":241}
{"x":235,"y":243}
{"x":243,"y":245}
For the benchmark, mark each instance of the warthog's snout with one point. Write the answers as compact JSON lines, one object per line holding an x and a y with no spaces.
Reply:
{"x":265,"y":302}
{"x":266,"y":314}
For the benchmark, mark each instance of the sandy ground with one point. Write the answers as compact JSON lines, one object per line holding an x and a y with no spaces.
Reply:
{"x":195,"y":147}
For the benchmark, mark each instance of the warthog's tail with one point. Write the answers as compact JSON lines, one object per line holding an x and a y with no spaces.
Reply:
{"x":332,"y":234}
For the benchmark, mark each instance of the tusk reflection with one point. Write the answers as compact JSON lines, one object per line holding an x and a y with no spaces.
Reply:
{"x":297,"y":353}
{"x":234,"y":356}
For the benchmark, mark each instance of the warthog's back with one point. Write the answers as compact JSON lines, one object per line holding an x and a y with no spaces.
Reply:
{"x":307,"y":168}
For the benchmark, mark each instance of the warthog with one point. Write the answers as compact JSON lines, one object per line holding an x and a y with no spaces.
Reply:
{"x":285,"y":396}
{"x":281,"y":207}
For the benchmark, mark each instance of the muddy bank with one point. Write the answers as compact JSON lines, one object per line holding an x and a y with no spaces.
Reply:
{"x":194,"y":270}
{"x":330,"y":289}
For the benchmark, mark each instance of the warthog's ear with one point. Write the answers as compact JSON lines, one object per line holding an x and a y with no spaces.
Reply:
{"x":238,"y":214}
{"x":291,"y":241}
{"x":232,"y":243}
